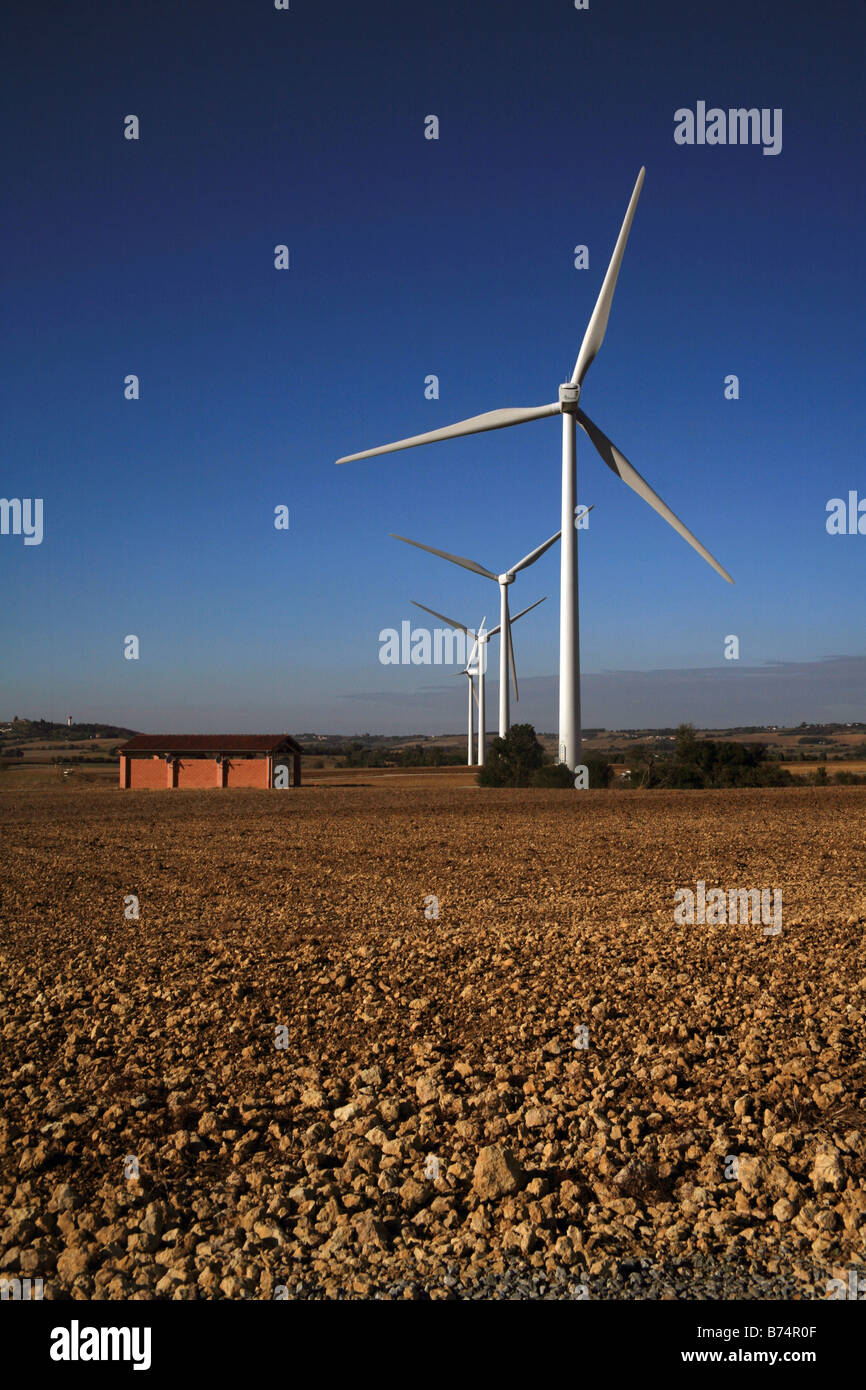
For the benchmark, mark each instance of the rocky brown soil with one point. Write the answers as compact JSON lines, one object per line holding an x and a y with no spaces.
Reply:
{"x":290,"y":1078}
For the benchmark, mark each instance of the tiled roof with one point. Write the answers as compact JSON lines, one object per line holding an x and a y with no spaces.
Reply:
{"x":209,"y":743}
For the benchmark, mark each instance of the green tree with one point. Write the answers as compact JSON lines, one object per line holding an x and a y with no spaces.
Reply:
{"x":552,"y":775}
{"x":599,"y":769}
{"x":599,"y":772}
{"x":512,"y":760}
{"x":686,"y":744}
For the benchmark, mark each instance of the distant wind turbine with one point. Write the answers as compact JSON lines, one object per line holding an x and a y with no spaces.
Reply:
{"x":506,"y":648}
{"x":481,"y":638}
{"x":572,"y":416}
{"x":470,"y":672}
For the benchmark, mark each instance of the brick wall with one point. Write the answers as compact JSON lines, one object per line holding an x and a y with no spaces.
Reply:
{"x":198,"y":772}
{"x":147,"y":773}
{"x":155,"y":774}
{"x":249,"y":772}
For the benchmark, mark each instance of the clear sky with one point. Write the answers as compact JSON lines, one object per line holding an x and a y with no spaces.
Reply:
{"x":411,"y":257}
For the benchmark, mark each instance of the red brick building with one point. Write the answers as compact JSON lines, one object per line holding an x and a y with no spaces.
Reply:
{"x":158,"y":761}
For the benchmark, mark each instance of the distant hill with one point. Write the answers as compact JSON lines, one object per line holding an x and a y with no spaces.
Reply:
{"x":25,"y":730}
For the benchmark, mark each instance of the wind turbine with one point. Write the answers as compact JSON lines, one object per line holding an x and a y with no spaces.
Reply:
{"x":470,"y":674}
{"x":481,"y":638}
{"x":572,"y":416}
{"x":473,"y":700}
{"x":506,"y":647}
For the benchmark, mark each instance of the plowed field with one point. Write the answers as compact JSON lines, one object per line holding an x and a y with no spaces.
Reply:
{"x":431,"y":1042}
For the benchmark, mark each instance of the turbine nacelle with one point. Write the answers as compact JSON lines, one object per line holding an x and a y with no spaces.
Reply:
{"x":569,"y":395}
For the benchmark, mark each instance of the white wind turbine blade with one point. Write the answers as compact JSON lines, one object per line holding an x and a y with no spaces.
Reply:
{"x":595,"y":329}
{"x":476,"y":424}
{"x":475,"y":646}
{"x":511,"y":622}
{"x":443,"y":554}
{"x":529,"y":609}
{"x":534,"y":555}
{"x":619,"y":464}
{"x":450,"y":621}
{"x":461,"y":627}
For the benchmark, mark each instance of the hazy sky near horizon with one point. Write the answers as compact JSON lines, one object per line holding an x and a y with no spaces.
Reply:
{"x":411,"y":257}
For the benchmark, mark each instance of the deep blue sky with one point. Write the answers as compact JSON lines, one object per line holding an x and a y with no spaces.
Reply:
{"x":411,"y":257}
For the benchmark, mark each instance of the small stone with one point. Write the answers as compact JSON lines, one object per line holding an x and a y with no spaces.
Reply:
{"x":522,"y":1237}
{"x":852,"y":1209}
{"x":153,"y":1221}
{"x":412,"y":1194}
{"x":369,"y":1231}
{"x":827,"y":1170}
{"x":427,"y":1089}
{"x":751,"y":1173}
{"x":64,"y":1198}
{"x":497,"y":1173}
{"x":269,"y":1232}
{"x":73,"y":1262}
{"x":635,"y":1178}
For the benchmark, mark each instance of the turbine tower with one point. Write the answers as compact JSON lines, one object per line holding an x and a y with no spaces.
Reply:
{"x":567,"y":406}
{"x":470,"y":713}
{"x":506,"y":648}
